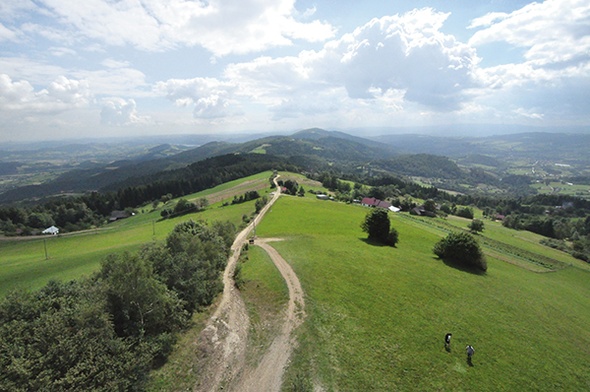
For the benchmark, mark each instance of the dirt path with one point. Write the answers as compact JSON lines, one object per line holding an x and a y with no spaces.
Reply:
{"x":268,"y":375}
{"x":222,"y":344}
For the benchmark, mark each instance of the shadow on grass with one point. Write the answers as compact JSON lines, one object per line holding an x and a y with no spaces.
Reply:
{"x":463,"y":267}
{"x":373,"y":242}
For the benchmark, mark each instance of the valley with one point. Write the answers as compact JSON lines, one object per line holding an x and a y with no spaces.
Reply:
{"x":519,"y":164}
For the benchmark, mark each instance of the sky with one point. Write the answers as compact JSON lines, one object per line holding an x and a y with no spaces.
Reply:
{"x":103,"y":68}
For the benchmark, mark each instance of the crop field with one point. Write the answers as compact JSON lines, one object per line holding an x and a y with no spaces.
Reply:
{"x":30,"y":262}
{"x":563,"y":189}
{"x":377,"y":315}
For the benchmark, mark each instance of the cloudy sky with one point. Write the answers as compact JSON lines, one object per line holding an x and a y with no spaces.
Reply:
{"x":132,"y":67}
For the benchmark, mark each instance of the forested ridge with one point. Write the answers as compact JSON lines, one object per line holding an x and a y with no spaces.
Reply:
{"x":71,"y":213}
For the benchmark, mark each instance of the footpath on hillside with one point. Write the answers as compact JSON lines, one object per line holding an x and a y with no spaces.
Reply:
{"x":222,"y":344}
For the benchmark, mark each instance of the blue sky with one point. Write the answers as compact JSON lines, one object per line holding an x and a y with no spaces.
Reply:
{"x":135,"y":67}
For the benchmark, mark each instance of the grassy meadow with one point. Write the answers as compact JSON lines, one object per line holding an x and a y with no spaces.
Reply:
{"x":377,"y":315}
{"x":23,"y":262}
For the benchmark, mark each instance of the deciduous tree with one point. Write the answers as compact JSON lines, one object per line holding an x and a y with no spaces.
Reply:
{"x":461,"y":248}
{"x":378,"y":226}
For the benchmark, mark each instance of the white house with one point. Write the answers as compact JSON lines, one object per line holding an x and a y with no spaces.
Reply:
{"x":51,"y":230}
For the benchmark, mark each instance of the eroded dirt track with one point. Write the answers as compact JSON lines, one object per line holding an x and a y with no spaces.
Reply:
{"x":268,"y":375}
{"x":222,"y":344}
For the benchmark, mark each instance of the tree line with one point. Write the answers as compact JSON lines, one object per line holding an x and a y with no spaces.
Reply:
{"x":565,"y":219}
{"x":90,"y":210}
{"x":107,"y":331}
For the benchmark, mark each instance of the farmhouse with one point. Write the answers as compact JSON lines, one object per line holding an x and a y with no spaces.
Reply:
{"x":421,"y":211}
{"x":51,"y":230}
{"x":372,"y":202}
{"x":116,"y":215}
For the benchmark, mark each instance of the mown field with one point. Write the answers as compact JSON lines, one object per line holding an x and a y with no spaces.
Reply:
{"x":377,"y":315}
{"x":23,"y":261}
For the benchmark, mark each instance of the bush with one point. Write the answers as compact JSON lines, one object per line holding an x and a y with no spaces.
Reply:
{"x":393,"y":237}
{"x":465,"y":212}
{"x":476,"y":226}
{"x":461,"y":248}
{"x":183,"y":206}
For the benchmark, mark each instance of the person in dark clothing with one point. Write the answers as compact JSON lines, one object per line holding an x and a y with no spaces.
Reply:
{"x":448,"y":341}
{"x":470,"y":351}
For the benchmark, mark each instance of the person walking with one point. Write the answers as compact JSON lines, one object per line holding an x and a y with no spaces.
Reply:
{"x":448,"y":341}
{"x":470,"y":351}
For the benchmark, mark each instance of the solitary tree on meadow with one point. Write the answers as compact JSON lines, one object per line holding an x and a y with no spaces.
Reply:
{"x":461,"y":248}
{"x":476,"y":226}
{"x":378,"y":227}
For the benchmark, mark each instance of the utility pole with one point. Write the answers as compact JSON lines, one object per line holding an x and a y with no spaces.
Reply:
{"x":45,"y":246}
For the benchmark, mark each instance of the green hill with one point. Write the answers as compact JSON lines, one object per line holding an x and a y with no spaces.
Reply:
{"x":377,"y":315}
{"x":31,"y":262}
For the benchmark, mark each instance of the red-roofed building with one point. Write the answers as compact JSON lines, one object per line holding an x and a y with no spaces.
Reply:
{"x":372,"y":202}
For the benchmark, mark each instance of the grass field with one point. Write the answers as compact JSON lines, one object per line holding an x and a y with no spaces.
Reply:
{"x":23,"y":261}
{"x":377,"y":315}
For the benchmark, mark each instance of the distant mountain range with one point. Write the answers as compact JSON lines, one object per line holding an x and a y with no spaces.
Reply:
{"x":311,"y":149}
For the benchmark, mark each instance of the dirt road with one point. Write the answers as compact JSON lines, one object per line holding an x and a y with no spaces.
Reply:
{"x":268,"y":374}
{"x":222,"y":344}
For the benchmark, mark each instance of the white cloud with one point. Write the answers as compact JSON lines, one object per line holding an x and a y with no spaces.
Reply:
{"x":211,"y":98}
{"x":398,"y":69}
{"x":552,"y":32}
{"x":528,"y":114}
{"x":487,"y":20}
{"x":58,"y":35}
{"x":401,"y":53}
{"x":407,"y":52}
{"x":384,"y":66}
{"x":7,"y":34}
{"x":10,"y":9}
{"x":116,"y":82}
{"x":117,"y":79}
{"x":69,"y":91}
{"x":35,"y":72}
{"x":20,"y":91}
{"x":112,"y":63}
{"x":550,"y":81}
{"x":60,"y":95}
{"x":120,"y":112}
{"x":60,"y":51}
{"x":153,"y":25}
